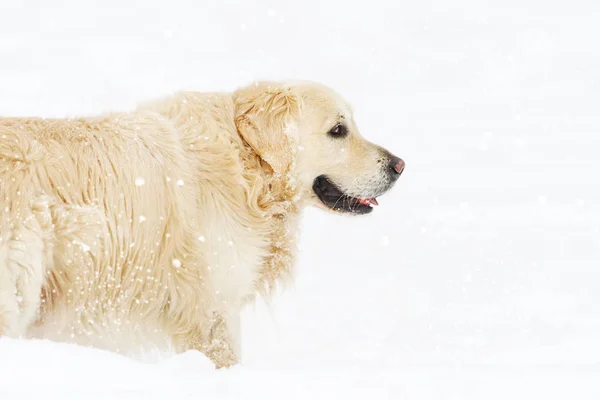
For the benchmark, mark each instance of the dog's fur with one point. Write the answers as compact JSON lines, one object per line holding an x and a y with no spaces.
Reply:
{"x":163,"y":222}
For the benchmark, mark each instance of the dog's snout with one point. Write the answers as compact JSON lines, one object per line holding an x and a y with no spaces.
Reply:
{"x":396,"y":167}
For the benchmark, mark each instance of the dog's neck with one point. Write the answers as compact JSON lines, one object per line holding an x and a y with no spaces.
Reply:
{"x":280,"y":198}
{"x":274,"y":196}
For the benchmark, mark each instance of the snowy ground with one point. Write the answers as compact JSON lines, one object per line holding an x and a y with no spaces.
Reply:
{"x":482,"y":265}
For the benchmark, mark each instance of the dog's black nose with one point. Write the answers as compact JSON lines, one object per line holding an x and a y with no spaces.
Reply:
{"x":396,"y":166}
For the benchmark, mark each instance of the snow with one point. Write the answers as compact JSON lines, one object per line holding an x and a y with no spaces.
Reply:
{"x":476,"y":278}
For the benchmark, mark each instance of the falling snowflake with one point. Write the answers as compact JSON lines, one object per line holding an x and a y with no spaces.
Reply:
{"x":176,"y":263}
{"x":180,"y":182}
{"x":140,"y":181}
{"x":201,"y":238}
{"x":84,"y":247}
{"x":142,"y":218}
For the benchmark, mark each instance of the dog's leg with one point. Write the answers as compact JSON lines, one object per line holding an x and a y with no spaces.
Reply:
{"x":21,"y":275}
{"x":224,"y":344}
{"x":216,"y":339}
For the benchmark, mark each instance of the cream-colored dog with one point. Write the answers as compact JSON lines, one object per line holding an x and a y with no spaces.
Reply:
{"x":160,"y":224}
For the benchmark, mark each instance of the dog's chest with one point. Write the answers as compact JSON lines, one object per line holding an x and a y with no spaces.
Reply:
{"x":234,"y":255}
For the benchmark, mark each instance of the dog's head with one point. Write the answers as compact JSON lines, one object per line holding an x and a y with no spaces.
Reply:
{"x":307,"y":129}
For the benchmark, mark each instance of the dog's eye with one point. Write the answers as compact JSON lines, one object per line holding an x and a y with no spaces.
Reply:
{"x":338,"y":131}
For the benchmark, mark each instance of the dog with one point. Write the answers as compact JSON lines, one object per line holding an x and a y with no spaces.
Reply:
{"x":165,"y":221}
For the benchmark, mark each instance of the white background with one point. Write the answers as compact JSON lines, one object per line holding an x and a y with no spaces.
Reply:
{"x":476,"y":278}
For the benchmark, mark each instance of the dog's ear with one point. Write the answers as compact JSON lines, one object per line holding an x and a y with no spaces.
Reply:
{"x":265,"y":116}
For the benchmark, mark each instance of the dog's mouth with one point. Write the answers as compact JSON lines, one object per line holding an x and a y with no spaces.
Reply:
{"x":335,"y":199}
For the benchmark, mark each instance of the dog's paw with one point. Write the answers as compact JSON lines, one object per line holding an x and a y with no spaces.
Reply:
{"x":221,"y":354}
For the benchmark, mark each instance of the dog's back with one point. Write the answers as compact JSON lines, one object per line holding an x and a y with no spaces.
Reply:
{"x":85,"y":203}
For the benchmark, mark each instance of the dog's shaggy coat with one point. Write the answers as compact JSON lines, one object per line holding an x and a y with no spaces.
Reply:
{"x":163,"y":222}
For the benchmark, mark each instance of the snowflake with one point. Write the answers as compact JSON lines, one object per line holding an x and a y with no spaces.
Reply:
{"x":140,"y":181}
{"x":84,"y":247}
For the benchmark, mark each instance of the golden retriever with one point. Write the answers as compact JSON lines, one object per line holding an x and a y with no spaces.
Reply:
{"x":163,"y":222}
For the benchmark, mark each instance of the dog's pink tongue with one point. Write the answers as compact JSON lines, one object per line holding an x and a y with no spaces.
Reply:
{"x":368,"y":201}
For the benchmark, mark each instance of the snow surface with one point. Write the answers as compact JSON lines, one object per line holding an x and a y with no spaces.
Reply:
{"x":477,"y":277}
